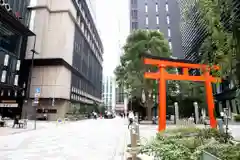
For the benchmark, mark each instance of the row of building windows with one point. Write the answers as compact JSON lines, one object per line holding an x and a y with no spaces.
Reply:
{"x":89,"y":32}
{"x":11,"y":93}
{"x":81,"y":99}
{"x":85,"y":62}
{"x":135,"y":24}
{"x":120,"y":95}
{"x":156,"y":8}
{"x":10,"y":66}
{"x":168,"y":23}
{"x":83,"y":87}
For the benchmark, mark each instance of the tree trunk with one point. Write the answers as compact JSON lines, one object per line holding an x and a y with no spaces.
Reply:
{"x":149,"y":108}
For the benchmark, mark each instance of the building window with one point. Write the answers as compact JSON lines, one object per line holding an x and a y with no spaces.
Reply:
{"x":156,"y":7}
{"x":146,"y":8}
{"x":134,"y":25}
{"x":16,"y":80}
{"x":167,"y":7}
{"x":146,"y":21}
{"x":134,"y":14}
{"x":158,"y":30}
{"x":170,"y":45}
{"x":6,"y":59}
{"x":3,"y":77}
{"x":157,"y":20}
{"x":133,"y":1}
{"x":168,"y":20}
{"x":169,"y":32}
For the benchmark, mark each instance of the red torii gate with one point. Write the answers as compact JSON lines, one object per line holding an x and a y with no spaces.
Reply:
{"x":162,"y":75}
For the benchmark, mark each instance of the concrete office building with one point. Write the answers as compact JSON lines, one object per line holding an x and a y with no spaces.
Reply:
{"x":14,"y":31}
{"x":108,"y":93}
{"x":68,"y":68}
{"x":161,"y":15}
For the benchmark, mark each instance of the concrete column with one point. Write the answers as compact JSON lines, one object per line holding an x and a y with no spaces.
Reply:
{"x":176,"y":112}
{"x":233,"y":101}
{"x":195,"y":104}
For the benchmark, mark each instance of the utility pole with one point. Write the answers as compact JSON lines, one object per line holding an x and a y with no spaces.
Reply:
{"x":28,"y":99}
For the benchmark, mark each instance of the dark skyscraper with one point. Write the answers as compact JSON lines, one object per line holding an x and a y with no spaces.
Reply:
{"x":161,"y":15}
{"x":14,"y":32}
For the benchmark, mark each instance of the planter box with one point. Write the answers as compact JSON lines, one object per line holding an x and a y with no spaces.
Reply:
{"x":208,"y":156}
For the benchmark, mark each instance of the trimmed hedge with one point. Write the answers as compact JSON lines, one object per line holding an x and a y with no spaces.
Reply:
{"x":189,"y":143}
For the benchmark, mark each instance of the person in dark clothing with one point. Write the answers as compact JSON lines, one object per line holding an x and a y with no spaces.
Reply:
{"x":130,"y":118}
{"x":15,"y":121}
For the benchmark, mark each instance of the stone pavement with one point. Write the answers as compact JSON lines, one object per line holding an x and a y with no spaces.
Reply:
{"x":40,"y":125}
{"x":101,"y":139}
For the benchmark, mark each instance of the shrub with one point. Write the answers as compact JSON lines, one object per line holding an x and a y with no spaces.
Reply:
{"x":237,"y":118}
{"x":188,"y":144}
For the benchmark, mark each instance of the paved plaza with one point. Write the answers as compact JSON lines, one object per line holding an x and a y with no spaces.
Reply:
{"x":101,"y":139}
{"x":7,"y":130}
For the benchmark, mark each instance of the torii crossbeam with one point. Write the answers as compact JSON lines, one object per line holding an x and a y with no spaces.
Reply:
{"x":162,"y":75}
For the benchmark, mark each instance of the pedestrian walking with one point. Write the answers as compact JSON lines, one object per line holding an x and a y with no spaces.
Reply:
{"x":222,"y":115}
{"x":94,"y":115}
{"x":130,"y":118}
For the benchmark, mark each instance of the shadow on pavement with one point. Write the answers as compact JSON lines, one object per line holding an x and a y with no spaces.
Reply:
{"x":130,"y":158}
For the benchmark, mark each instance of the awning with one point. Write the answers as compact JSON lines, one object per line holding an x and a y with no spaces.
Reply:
{"x":7,"y":17}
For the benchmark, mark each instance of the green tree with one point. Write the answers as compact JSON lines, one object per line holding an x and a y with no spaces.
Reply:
{"x":130,"y":72}
{"x":219,"y":47}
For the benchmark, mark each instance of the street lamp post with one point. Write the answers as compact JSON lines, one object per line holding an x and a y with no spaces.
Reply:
{"x":30,"y":80}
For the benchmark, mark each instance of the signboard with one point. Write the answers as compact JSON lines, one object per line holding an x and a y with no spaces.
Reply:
{"x":11,"y":105}
{"x":37,"y":95}
{"x":38,"y":90}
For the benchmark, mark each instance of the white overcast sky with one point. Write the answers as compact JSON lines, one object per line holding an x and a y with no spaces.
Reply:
{"x":112,"y":17}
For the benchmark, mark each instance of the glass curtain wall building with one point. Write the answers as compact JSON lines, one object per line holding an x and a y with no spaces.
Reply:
{"x":194,"y":33}
{"x":108,"y":93}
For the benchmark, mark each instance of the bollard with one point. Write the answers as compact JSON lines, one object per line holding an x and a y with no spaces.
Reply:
{"x":137,"y":129}
{"x":196,"y":110}
{"x":133,"y":136}
{"x":220,"y":125}
{"x":176,"y":110}
{"x":137,"y":132}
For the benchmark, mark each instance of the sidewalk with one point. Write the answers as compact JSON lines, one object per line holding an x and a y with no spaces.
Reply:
{"x":4,"y":131}
{"x":146,"y":133}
